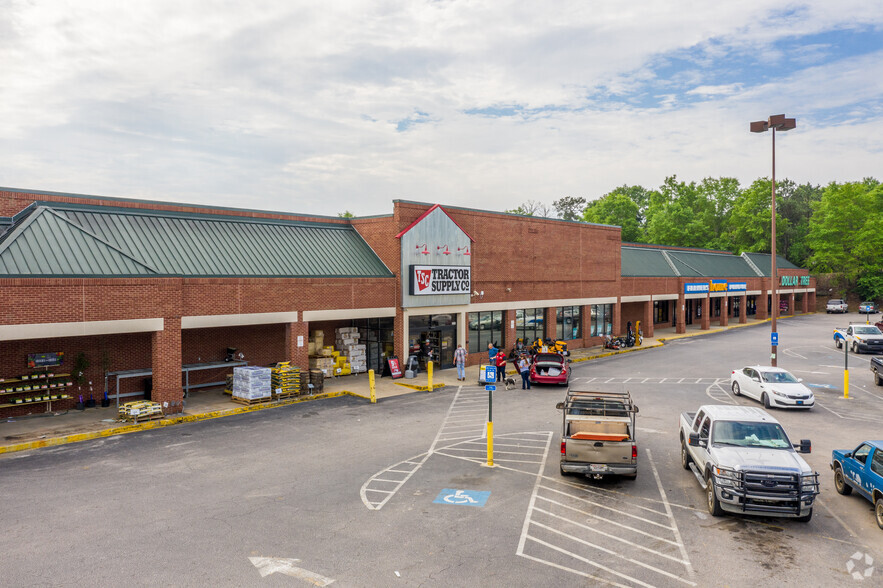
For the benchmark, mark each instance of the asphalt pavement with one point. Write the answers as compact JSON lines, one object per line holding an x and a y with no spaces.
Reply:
{"x":400,"y":492}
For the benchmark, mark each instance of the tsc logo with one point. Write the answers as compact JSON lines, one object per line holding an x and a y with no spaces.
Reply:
{"x":423,"y":277}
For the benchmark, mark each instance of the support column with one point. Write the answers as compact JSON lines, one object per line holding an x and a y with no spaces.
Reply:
{"x":680,"y":314}
{"x":550,"y":324}
{"x":762,"y":308}
{"x":647,"y":323}
{"x":805,"y":302}
{"x":743,"y":309}
{"x":298,"y":355}
{"x":400,"y":335}
{"x":509,"y":328}
{"x":166,"y":365}
{"x":585,"y":315}
{"x":725,"y":311}
{"x":705,"y":323}
{"x":791,"y":307}
{"x":618,"y":328}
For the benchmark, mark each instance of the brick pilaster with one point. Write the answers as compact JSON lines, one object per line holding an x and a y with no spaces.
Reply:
{"x":166,"y":348}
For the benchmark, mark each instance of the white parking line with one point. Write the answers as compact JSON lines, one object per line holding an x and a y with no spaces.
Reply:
{"x":683,"y":548}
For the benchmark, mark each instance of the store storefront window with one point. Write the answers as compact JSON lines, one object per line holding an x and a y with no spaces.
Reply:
{"x":751,"y":306}
{"x":568,"y":323}
{"x":602,"y":320}
{"x":377,"y":336}
{"x":660,"y":311}
{"x":485,"y":327}
{"x":433,"y":338}
{"x":529,"y":324}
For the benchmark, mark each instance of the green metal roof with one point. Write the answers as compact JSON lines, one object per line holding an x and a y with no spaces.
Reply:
{"x":705,"y":264}
{"x":763,"y":262}
{"x":82,"y":240}
{"x":646,"y":263}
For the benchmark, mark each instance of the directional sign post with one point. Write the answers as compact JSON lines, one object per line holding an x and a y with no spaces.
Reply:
{"x":490,"y":414}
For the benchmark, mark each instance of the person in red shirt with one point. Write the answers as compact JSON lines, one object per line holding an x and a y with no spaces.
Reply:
{"x":501,"y":365}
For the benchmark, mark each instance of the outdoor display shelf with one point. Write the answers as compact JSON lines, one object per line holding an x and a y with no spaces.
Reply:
{"x":39,"y":388}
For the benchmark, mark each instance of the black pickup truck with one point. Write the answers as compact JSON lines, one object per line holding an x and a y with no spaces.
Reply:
{"x":877,"y":368}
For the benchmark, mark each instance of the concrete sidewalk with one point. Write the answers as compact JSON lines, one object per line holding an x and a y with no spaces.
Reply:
{"x":50,"y":429}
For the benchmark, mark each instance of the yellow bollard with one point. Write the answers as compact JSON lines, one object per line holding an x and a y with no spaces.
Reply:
{"x":845,"y":383}
{"x":372,"y":387}
{"x":490,"y":444}
{"x":429,"y":374}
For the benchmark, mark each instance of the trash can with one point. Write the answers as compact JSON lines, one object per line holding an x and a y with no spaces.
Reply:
{"x":148,"y":388}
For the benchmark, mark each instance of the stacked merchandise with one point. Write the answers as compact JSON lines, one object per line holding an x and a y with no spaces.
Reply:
{"x":140,"y":410}
{"x":285,"y":380}
{"x":347,"y":341}
{"x":251,"y":384}
{"x":228,"y":384}
{"x":317,"y":379}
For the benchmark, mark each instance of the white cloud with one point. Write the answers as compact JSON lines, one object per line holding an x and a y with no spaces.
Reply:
{"x":270,"y":105}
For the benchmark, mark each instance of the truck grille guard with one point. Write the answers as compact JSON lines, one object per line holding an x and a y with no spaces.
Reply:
{"x":765,"y":491}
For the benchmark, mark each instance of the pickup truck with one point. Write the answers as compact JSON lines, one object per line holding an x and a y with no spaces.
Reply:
{"x":836,"y":305}
{"x":598,"y":434}
{"x":860,"y":338}
{"x":744,"y":461}
{"x":877,"y":369}
{"x":861,"y":469}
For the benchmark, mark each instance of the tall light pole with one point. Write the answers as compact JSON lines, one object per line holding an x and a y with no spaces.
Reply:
{"x":780,"y":123}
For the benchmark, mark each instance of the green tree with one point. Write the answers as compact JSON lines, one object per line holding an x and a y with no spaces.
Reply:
{"x":532,"y":208}
{"x":615,"y":209}
{"x":750,"y":224}
{"x":569,"y":208}
{"x":346,"y":214}
{"x":794,"y":203}
{"x":844,"y":232}
{"x":679,"y":215}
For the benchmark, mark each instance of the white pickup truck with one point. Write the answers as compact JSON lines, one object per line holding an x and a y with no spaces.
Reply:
{"x":860,"y":338}
{"x":744,"y":461}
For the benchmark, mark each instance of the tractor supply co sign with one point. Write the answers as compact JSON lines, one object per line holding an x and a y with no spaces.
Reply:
{"x":440,"y":279}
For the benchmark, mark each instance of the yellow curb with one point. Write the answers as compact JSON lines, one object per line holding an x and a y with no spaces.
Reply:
{"x":135,"y":427}
{"x":420,"y":388}
{"x":617,"y":352}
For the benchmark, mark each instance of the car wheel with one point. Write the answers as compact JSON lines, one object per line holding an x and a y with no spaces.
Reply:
{"x":714,"y":505}
{"x":854,"y":347}
{"x":736,"y":389}
{"x":878,"y":510}
{"x":838,"y":344}
{"x":877,"y":379}
{"x":840,"y":482}
{"x":805,"y":518}
{"x":685,"y":456}
{"x":766,"y":400}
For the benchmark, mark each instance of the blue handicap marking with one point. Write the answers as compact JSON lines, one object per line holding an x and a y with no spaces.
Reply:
{"x":462,"y":497}
{"x":490,"y":373}
{"x":828,"y":386}
{"x":774,"y":338}
{"x":490,"y":387}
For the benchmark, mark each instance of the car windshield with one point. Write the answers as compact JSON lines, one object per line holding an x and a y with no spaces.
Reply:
{"x":866,"y":330}
{"x":742,"y":434}
{"x":779,"y":377}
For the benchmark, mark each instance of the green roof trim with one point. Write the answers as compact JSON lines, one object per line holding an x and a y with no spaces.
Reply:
{"x":663,"y":262}
{"x":76,"y":240}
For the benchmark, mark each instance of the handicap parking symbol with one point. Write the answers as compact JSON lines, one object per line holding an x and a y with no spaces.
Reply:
{"x":462,"y":497}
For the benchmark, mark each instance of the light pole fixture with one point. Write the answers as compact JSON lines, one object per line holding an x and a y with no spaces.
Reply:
{"x":776,"y":122}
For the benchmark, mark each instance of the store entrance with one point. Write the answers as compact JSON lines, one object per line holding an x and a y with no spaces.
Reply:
{"x":688,"y":311}
{"x":433,"y":338}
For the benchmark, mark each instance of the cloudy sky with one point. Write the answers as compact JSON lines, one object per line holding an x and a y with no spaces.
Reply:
{"x":327,"y":106}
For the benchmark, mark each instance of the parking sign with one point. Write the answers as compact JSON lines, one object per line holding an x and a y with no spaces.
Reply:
{"x":490,"y":373}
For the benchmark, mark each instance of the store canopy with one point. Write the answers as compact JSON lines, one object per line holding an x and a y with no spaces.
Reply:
{"x":71,"y":240}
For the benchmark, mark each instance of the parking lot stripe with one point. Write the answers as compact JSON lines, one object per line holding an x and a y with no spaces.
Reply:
{"x":616,"y":510}
{"x":610,"y":521}
{"x":590,"y":562}
{"x":571,"y":570}
{"x":677,"y":533}
{"x":615,"y":554}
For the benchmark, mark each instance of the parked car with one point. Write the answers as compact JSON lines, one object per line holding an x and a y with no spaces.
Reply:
{"x":775,"y":387}
{"x":746,"y":464}
{"x":861,"y":469}
{"x":860,"y":338}
{"x":836,"y":305}
{"x":550,"y":368}
{"x":868,"y":308}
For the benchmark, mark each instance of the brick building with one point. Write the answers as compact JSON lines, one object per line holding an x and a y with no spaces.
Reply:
{"x":120,"y":285}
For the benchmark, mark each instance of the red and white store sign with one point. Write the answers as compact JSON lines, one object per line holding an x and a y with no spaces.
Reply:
{"x":427,"y":280}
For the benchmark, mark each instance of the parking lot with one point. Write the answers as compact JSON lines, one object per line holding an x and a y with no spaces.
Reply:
{"x":400,"y":492}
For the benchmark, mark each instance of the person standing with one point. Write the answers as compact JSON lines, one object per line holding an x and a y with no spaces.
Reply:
{"x":501,"y":365}
{"x":524,"y":370}
{"x":491,"y":353}
{"x":460,"y":362}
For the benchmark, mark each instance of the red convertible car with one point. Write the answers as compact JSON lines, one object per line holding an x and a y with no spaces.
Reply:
{"x":550,"y":368}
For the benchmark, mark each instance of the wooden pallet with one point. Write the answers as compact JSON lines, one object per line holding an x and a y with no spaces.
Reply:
{"x":251,"y":401}
{"x":141,"y":418}
{"x":285,"y":395}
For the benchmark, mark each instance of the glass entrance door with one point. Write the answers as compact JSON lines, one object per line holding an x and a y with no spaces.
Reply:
{"x":447,"y":337}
